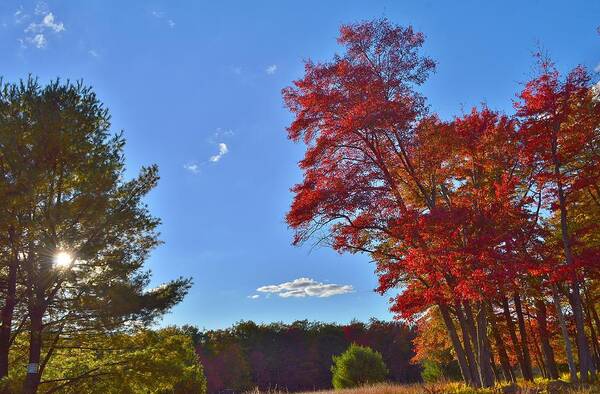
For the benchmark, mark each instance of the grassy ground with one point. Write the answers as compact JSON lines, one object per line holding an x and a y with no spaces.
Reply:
{"x":540,"y":387}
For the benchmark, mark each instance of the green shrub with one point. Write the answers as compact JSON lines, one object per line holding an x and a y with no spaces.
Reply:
{"x":435,"y":371}
{"x":357,"y":366}
{"x":432,"y":372}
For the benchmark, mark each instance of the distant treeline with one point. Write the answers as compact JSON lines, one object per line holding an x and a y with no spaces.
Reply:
{"x":297,"y":356}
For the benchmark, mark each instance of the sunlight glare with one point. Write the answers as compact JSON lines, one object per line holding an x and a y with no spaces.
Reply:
{"x":62,"y":259}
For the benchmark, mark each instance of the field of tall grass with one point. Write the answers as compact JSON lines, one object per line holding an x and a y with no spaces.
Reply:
{"x":539,"y":387}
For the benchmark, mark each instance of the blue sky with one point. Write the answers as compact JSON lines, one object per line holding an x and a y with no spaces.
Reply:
{"x":196,"y":87}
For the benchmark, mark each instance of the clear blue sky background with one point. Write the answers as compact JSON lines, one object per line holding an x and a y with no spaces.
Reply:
{"x":182,"y":77}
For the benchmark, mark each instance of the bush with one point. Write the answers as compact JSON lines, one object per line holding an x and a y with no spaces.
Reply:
{"x":432,"y":371}
{"x":357,"y":366}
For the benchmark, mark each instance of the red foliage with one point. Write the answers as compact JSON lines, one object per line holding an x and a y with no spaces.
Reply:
{"x":450,"y":211}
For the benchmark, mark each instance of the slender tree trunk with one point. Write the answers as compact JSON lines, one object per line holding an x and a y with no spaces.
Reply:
{"x":565,"y":334}
{"x":594,"y":313}
{"x":496,"y":373}
{"x":537,"y":356}
{"x":523,"y":333}
{"x":6,"y":315}
{"x":32,"y":379}
{"x":458,"y":349}
{"x":585,"y":360}
{"x":504,"y":361}
{"x":537,"y":353}
{"x":589,"y":309}
{"x":470,"y":317}
{"x":469,"y":342}
{"x":548,"y":352}
{"x":594,"y":343}
{"x":510,"y":325}
{"x":483,"y":345}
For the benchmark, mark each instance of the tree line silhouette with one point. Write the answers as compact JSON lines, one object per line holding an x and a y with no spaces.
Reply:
{"x":297,"y":356}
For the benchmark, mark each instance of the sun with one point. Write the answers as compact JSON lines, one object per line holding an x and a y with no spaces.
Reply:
{"x":63,"y":259}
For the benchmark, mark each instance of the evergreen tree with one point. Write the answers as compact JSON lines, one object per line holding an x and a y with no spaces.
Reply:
{"x":78,"y":231}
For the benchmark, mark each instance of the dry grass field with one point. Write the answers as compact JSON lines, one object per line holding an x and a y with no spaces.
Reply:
{"x":455,"y":388}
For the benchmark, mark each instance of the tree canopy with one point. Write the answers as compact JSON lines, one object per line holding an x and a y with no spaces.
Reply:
{"x":479,"y":218}
{"x":75,"y":232}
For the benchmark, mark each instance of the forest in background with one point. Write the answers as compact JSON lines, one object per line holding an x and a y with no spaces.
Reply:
{"x":297,"y":356}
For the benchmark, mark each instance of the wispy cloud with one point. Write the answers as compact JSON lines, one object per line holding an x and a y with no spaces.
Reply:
{"x":41,"y":8}
{"x":219,"y":135}
{"x":306,"y":287}
{"x":93,"y":53}
{"x":272,"y":69}
{"x":36,"y":33}
{"x":161,"y":15}
{"x":20,"y":16}
{"x":39,"y":40}
{"x":48,"y":23}
{"x":254,"y":296}
{"x":223,"y":149}
{"x":217,"y":139}
{"x":192,"y":167}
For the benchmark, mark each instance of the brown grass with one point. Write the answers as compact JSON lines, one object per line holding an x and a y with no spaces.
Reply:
{"x":541,"y":387}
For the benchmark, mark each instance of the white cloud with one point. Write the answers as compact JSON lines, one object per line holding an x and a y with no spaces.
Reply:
{"x":192,"y":167}
{"x":171,"y":23}
{"x":223,"y":149}
{"x":254,"y":296}
{"x":271,"y":69}
{"x":48,"y":23}
{"x":39,"y":40}
{"x":306,"y":287}
{"x":36,"y":34}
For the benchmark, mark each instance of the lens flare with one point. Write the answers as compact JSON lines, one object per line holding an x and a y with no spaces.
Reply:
{"x":62,"y":259}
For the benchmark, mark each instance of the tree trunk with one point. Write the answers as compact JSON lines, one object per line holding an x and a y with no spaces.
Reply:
{"x":509,"y":375}
{"x":528,"y":375}
{"x":471,"y":325}
{"x":565,"y":334}
{"x":588,"y":307}
{"x":6,"y":315}
{"x":32,"y":380}
{"x":594,"y":313}
{"x":548,"y":352}
{"x":595,"y":348}
{"x":469,"y":342}
{"x":537,"y":356}
{"x":585,"y":361}
{"x":458,"y":349}
{"x":510,"y":325}
{"x":483,"y":345}
{"x":537,"y":353}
